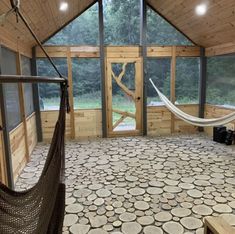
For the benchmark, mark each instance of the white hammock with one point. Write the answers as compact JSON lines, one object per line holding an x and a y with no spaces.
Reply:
{"x":192,"y":119}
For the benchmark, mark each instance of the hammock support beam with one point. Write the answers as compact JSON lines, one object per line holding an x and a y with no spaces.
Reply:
{"x":30,"y":79}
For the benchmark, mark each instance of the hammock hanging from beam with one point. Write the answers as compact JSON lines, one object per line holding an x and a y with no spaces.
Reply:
{"x":192,"y":119}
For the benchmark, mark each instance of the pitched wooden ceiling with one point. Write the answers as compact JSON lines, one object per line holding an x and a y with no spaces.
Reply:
{"x":43,"y":16}
{"x":216,"y":27}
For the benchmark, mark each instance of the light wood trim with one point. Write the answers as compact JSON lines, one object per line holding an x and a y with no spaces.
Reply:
{"x":22,"y":105}
{"x":108,"y":96}
{"x":124,"y":133}
{"x":139,"y":93}
{"x":166,"y":51}
{"x":124,"y":113}
{"x":119,"y":121}
{"x":217,"y":225}
{"x":123,"y":87}
{"x":75,"y":51}
{"x":70,"y":90}
{"x":173,"y":75}
{"x":2,"y":158}
{"x":227,"y":48}
{"x":121,"y":52}
{"x":123,"y":72}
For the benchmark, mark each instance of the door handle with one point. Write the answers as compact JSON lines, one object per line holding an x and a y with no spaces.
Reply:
{"x":138,"y":98}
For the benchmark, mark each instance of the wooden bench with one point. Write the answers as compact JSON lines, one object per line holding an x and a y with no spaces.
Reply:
{"x":217,"y":225}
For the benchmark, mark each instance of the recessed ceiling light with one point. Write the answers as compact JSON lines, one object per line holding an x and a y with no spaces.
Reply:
{"x":64,"y":6}
{"x":201,"y":9}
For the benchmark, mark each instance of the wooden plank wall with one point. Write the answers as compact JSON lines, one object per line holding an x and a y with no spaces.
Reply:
{"x":159,"y":120}
{"x":18,"y":150}
{"x":212,"y":111}
{"x":3,"y":176}
{"x":32,"y":132}
{"x":228,"y":48}
{"x":117,"y":51}
{"x":88,"y":123}
{"x":18,"y":146}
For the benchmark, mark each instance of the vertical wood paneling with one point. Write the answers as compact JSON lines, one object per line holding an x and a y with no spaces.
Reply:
{"x":173,"y":75}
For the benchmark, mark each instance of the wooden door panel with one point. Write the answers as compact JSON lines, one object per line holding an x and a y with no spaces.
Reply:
{"x":116,"y":126}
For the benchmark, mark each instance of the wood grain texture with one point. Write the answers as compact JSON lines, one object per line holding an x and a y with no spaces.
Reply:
{"x":18,"y":146}
{"x":88,"y":123}
{"x":227,"y":48}
{"x":214,"y":28}
{"x":159,"y":120}
{"x":32,"y":132}
{"x":217,"y":225}
{"x":43,"y":16}
{"x":212,"y":111}
{"x":18,"y":150}
{"x":3,"y":175}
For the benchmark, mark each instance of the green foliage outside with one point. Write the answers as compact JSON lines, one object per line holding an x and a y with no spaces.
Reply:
{"x":160,"y":32}
{"x":221,"y":80}
{"x":122,"y":27}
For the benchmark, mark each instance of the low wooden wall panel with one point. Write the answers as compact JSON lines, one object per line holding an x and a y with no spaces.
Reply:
{"x":212,"y":111}
{"x":18,"y":150}
{"x":159,"y":120}
{"x":88,"y":123}
{"x":32,"y":132}
{"x":49,"y":119}
{"x":183,"y":127}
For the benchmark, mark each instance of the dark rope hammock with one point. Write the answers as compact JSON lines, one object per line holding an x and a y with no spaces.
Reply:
{"x":39,"y":210}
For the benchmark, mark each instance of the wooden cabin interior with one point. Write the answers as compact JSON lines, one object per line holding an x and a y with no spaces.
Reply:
{"x":131,"y":165}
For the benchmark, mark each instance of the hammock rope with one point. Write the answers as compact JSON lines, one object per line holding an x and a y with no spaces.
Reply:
{"x":192,"y":119}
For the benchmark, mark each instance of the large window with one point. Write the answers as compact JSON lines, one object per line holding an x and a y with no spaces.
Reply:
{"x":187,"y":80}
{"x":50,"y":93}
{"x":86,"y":83}
{"x":221,"y":80}
{"x":159,"y":70}
{"x":84,"y":30}
{"x":160,"y":32}
{"x":11,"y":91}
{"x":122,"y":22}
{"x":28,"y":88}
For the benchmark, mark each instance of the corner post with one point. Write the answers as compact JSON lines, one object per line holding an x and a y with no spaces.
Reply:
{"x":202,"y":85}
{"x":143,"y":44}
{"x":36,"y":100}
{"x":102,"y":65}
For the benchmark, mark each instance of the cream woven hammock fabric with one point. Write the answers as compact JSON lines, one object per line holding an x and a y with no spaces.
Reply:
{"x":192,"y":119}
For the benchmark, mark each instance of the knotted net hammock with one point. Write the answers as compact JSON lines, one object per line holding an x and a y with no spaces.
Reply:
{"x":39,"y":210}
{"x":192,"y":119}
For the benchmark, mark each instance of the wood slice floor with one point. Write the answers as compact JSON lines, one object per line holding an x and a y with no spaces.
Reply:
{"x":143,"y":185}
